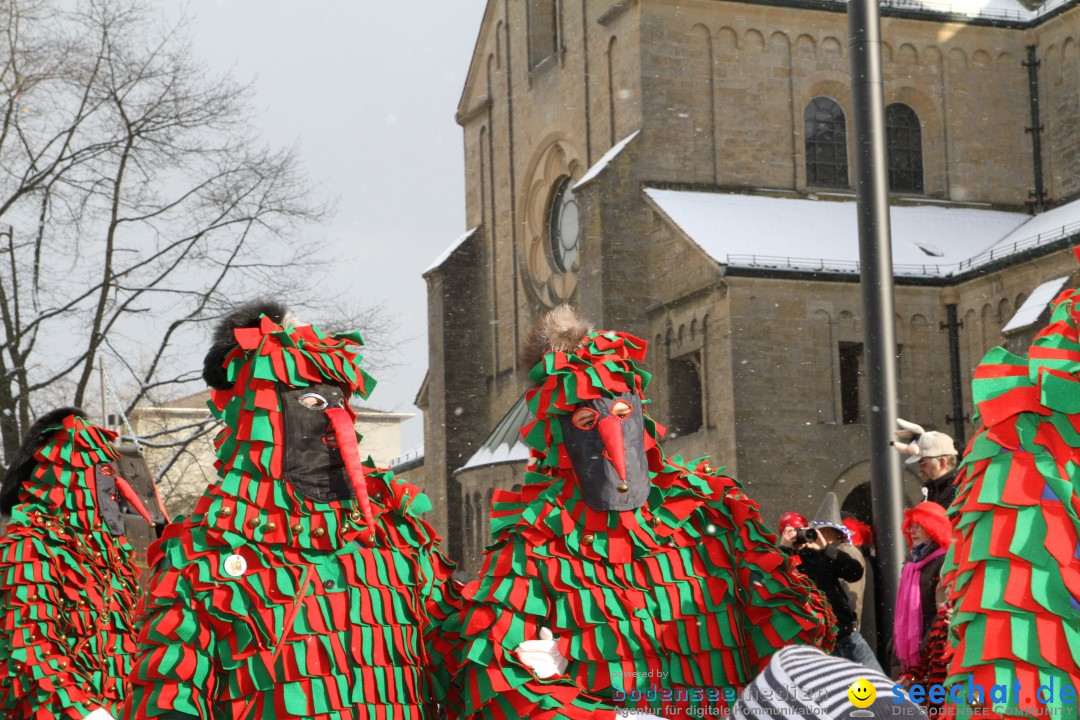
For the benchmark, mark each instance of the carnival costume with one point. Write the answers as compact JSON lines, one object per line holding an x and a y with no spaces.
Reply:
{"x":304,"y":584}
{"x":618,"y":577}
{"x":68,"y":587}
{"x":1015,"y":559}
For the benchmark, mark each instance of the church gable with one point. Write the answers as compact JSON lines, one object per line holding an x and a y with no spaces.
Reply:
{"x":475,"y":93}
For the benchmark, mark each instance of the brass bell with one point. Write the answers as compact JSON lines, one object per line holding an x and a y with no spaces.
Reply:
{"x":587,"y":538}
{"x":654,"y":521}
{"x":623,"y":487}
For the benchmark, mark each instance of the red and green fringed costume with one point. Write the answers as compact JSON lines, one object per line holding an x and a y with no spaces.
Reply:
{"x":67,"y":584}
{"x":1015,"y":559}
{"x":266,"y":603}
{"x":674,"y":605}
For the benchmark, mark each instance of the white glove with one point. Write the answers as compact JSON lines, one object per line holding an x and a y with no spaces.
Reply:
{"x":100,"y":714}
{"x":542,"y":656}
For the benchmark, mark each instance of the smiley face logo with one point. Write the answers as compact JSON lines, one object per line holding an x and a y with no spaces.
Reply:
{"x":862,"y":693}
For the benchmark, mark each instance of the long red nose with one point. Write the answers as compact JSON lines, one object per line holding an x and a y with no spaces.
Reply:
{"x":342,"y":423}
{"x":132,"y":498}
{"x":610,"y":430}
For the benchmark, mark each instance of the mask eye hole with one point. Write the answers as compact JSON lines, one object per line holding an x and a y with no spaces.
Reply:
{"x":621,"y":409}
{"x":313,"y":401}
{"x":585,"y":418}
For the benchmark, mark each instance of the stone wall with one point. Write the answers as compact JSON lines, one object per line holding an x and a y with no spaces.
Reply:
{"x":718,"y":90}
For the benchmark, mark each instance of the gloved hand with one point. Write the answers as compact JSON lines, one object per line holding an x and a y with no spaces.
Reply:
{"x":100,"y":714}
{"x":542,"y":656}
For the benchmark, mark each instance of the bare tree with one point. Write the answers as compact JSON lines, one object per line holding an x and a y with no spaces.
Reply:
{"x":135,"y":198}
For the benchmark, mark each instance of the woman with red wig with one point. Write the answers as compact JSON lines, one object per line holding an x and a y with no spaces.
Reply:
{"x":929,"y":535}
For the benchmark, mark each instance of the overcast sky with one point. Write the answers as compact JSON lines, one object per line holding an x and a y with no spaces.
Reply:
{"x":366,"y":90}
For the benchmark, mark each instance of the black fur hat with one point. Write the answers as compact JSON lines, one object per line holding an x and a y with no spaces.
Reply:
{"x":22,"y":462}
{"x":223,"y":342}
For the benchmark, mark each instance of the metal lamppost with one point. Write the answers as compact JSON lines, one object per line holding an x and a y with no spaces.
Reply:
{"x":879,"y":331}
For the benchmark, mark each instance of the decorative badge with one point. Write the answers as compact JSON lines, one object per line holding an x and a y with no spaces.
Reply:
{"x":235,"y":565}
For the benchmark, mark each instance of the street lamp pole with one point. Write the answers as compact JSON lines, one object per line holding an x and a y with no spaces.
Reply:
{"x":879,"y":331}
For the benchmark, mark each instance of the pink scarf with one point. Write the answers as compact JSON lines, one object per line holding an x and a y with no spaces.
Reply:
{"x":907,"y":626}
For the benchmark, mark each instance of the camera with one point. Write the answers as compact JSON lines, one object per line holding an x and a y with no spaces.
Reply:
{"x":805,"y":535}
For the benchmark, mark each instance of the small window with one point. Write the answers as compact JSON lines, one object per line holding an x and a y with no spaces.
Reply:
{"x":903,"y":136}
{"x":826,"y":144}
{"x":543,"y":31}
{"x":851,"y":372}
{"x":684,"y":390}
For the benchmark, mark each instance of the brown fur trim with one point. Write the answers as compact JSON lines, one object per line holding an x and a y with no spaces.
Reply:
{"x":559,"y":330}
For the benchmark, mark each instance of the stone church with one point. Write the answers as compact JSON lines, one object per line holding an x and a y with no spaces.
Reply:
{"x":683,"y":170}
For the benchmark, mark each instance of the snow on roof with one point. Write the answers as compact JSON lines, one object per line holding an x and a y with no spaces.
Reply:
{"x":605,"y":160}
{"x":518,"y":452}
{"x":797,"y":234}
{"x":450,"y":250}
{"x":504,"y":444}
{"x":1035,"y":305}
{"x":988,"y":9}
{"x":1042,"y":228}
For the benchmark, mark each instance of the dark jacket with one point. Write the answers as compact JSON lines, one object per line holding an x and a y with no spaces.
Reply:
{"x":929,"y":575}
{"x":942,"y":491}
{"x":827,"y":568}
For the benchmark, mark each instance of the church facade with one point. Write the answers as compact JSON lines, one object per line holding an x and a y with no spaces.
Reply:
{"x":683,"y":171}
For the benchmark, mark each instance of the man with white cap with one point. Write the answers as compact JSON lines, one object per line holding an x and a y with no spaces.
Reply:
{"x":935,"y":454}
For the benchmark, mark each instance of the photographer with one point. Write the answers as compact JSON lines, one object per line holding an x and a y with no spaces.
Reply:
{"x":827,"y":558}
{"x":791,"y":530}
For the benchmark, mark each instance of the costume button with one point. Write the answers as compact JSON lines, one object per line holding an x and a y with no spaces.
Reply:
{"x":588,"y":538}
{"x":62,"y":664}
{"x":623,"y":488}
{"x":298,"y":528}
{"x":318,"y":532}
{"x":654,"y":521}
{"x":378,"y":497}
{"x":270,"y":527}
{"x":355,"y":516}
{"x":225,"y":512}
{"x":253,"y":522}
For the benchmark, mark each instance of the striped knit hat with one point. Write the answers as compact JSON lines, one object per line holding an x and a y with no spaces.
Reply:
{"x":802,"y":681}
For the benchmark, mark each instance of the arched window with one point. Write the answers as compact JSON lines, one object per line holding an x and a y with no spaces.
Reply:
{"x":903,"y":134}
{"x":826,"y":144}
{"x":543,"y":31}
